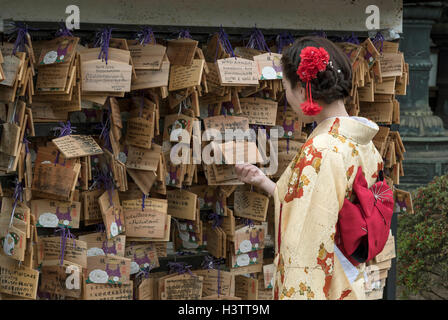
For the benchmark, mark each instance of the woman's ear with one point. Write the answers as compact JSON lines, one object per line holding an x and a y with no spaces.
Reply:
{"x":300,"y":93}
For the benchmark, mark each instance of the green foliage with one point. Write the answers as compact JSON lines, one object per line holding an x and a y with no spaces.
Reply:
{"x":422,"y":244}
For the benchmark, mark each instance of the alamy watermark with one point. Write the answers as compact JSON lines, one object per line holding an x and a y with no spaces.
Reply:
{"x":373,"y":20}
{"x":73,"y":20}
{"x":233,"y":146}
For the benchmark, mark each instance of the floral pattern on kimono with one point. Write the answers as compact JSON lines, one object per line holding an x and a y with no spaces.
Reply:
{"x":304,"y":290}
{"x":350,"y":172}
{"x":308,"y":198}
{"x":309,"y":156}
{"x":344,"y":294}
{"x":326,"y":260}
{"x":380,"y":167}
{"x":354,"y":151}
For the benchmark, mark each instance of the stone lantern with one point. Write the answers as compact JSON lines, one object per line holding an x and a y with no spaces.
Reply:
{"x":423,"y":133}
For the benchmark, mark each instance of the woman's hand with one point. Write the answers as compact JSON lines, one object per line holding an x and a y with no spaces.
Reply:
{"x":250,"y":174}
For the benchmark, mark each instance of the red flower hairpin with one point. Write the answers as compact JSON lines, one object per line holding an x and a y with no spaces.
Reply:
{"x":313,"y":60}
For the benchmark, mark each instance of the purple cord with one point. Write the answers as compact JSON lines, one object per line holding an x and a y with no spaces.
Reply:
{"x":284,"y":39}
{"x":63,"y":31}
{"x":143,"y":201}
{"x":26,"y":142}
{"x":107,"y":183}
{"x":100,"y":227}
{"x":64,"y":130}
{"x":103,"y":38}
{"x":184,"y":33}
{"x":248,"y":223}
{"x":257,"y":41}
{"x":21,"y":29}
{"x":378,"y":41}
{"x":65,"y":234}
{"x":212,"y":263}
{"x":18,"y":196}
{"x":179,"y":267}
{"x":110,"y":188}
{"x":223,"y":38}
{"x":105,"y":129}
{"x":217,"y":222}
{"x":352,"y":39}
{"x":146,"y":35}
{"x":145,"y":271}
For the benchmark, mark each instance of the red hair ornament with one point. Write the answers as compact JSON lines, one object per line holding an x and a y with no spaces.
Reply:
{"x":313,"y":60}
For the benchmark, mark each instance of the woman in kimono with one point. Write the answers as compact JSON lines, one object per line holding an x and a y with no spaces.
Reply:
{"x":308,"y":196}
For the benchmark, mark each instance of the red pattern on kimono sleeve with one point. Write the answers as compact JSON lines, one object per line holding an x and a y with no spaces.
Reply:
{"x":309,"y":156}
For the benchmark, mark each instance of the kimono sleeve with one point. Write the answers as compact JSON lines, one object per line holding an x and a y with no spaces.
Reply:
{"x":279,"y":193}
{"x":310,"y":208}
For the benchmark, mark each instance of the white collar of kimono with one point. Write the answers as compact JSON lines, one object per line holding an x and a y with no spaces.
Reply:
{"x":358,"y":129}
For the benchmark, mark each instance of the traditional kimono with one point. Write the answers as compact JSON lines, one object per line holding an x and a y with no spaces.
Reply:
{"x":308,"y":198}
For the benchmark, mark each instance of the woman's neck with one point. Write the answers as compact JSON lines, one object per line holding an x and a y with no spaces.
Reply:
{"x":334,"y":109}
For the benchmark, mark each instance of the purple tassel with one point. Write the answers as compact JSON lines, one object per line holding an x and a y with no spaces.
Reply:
{"x":248,"y":223}
{"x":103,"y":38}
{"x":105,"y":135}
{"x":109,"y":186}
{"x":211,"y":263}
{"x":105,"y":130}
{"x":106,"y":181}
{"x":63,"y":31}
{"x":26,"y":142}
{"x":378,"y":42}
{"x":64,"y":130}
{"x":257,"y":41}
{"x":284,"y":39}
{"x":352,"y":39}
{"x":65,"y":234}
{"x":100,"y":228}
{"x":207,"y":263}
{"x":145,"y":36}
{"x":179,"y":267}
{"x":184,"y":34}
{"x":18,"y":196}
{"x":21,"y":29}
{"x":217,"y":220}
{"x":145,"y":271}
{"x":225,"y":42}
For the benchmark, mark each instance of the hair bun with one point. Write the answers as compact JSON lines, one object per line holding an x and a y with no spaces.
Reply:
{"x":327,"y":79}
{"x":333,"y":83}
{"x":330,"y":85}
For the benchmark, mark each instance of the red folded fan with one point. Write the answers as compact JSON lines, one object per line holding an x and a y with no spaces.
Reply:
{"x":363,"y":226}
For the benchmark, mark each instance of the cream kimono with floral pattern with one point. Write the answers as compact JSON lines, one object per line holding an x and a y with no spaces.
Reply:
{"x":308,"y":198}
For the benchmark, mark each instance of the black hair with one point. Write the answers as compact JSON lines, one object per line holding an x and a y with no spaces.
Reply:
{"x":332,"y":84}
